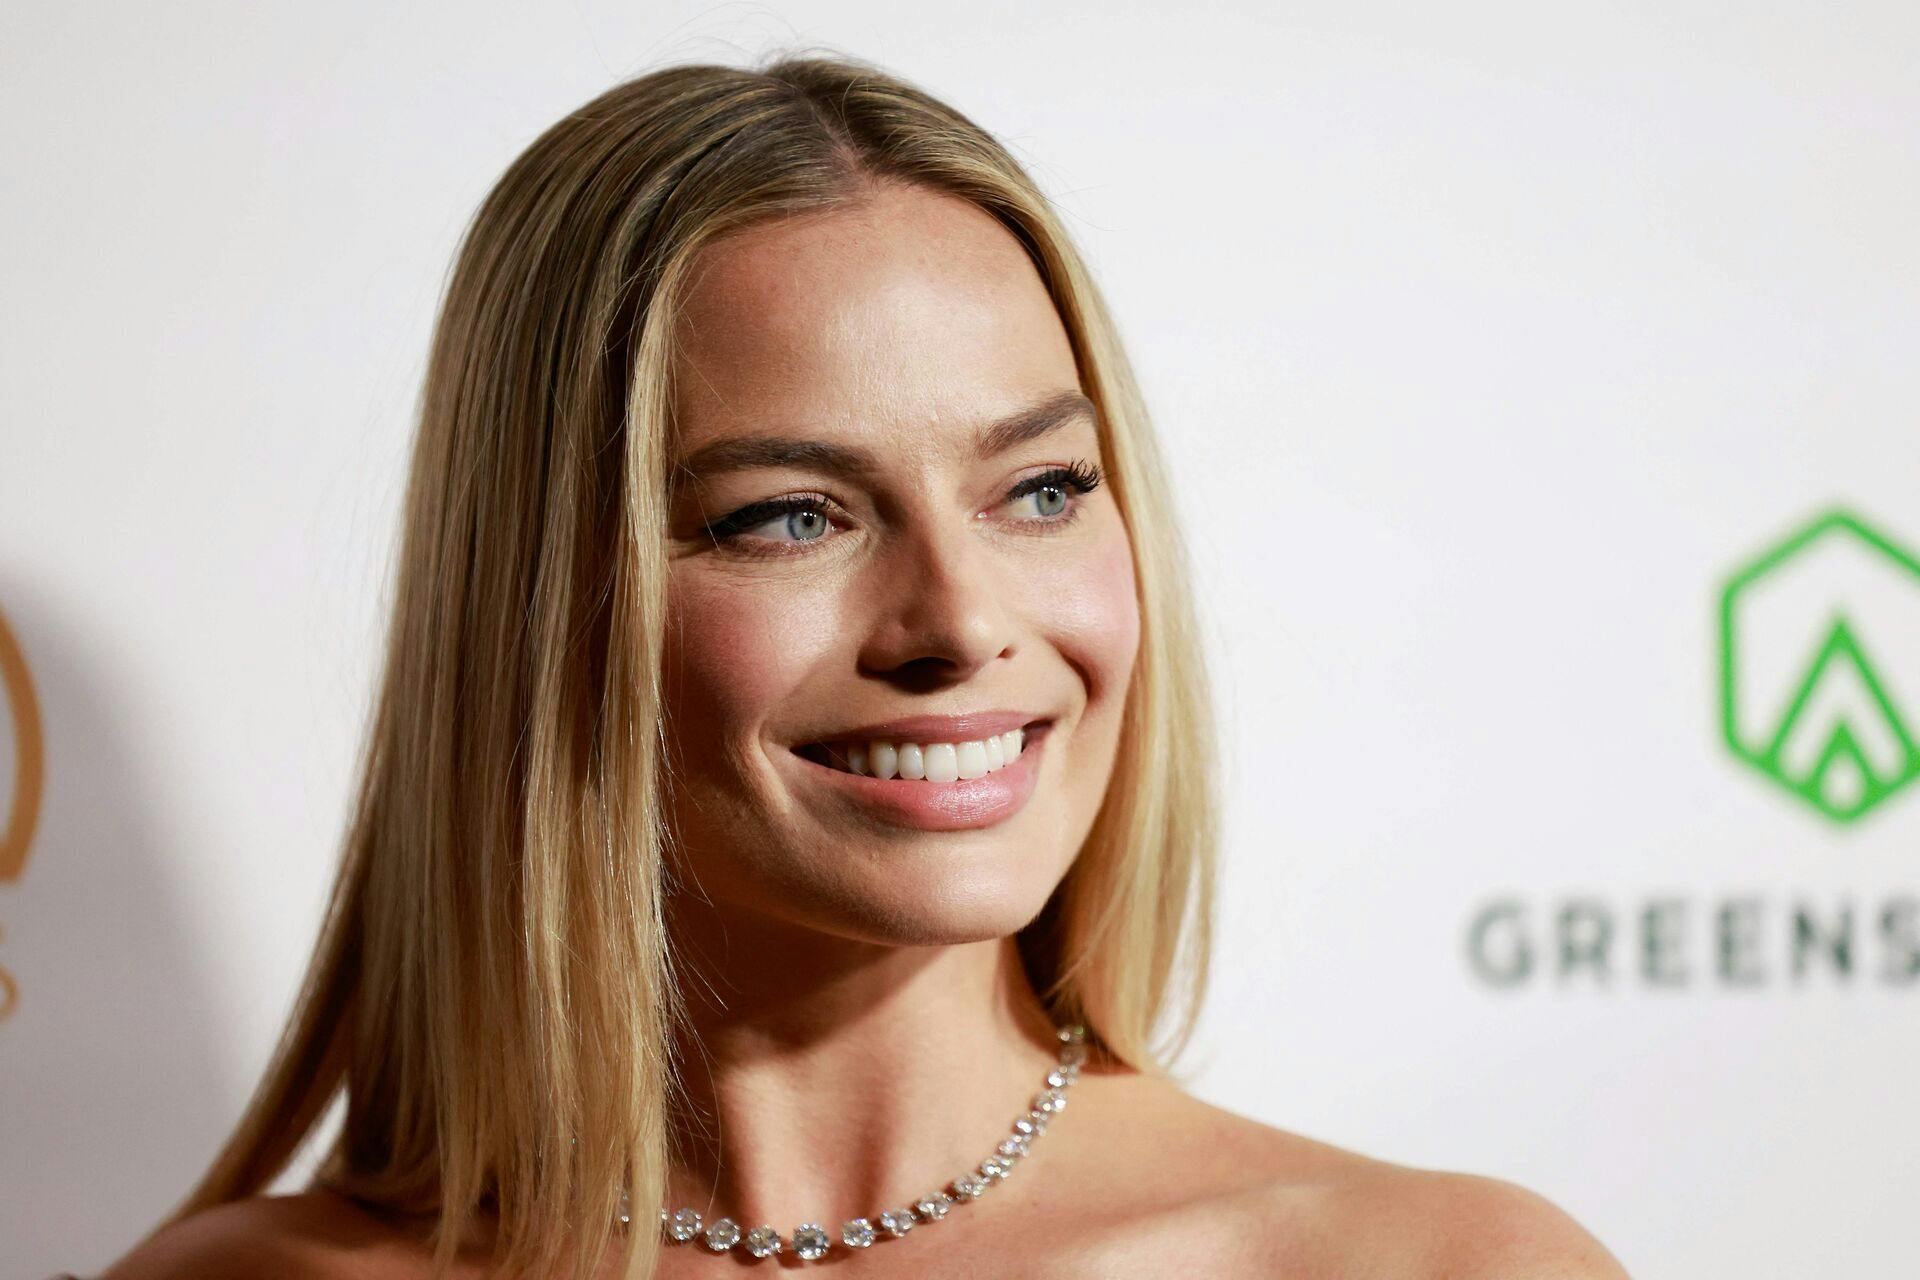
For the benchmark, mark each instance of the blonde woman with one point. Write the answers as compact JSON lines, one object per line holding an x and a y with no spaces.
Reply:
{"x":787,"y":827}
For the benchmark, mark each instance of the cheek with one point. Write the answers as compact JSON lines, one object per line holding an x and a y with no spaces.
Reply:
{"x":734,"y":654}
{"x":1092,"y":617}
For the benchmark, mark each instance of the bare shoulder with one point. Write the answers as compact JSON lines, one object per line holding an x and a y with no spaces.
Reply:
{"x":1263,"y":1201}
{"x":1463,"y":1224}
{"x":303,"y":1236}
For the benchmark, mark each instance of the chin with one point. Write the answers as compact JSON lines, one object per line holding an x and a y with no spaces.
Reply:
{"x":932,"y":909}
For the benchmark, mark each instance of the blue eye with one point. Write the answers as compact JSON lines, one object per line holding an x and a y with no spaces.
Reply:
{"x":1052,"y":486}
{"x":805,"y":523}
{"x":803,"y":517}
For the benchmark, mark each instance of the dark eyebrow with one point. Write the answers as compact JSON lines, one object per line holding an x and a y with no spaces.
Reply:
{"x":742,"y":452}
{"x":1033,"y":422}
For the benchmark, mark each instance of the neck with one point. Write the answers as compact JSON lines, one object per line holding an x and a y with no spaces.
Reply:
{"x":827,"y":1079}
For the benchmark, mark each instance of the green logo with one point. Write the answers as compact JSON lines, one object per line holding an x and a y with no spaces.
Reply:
{"x":1820,"y":665}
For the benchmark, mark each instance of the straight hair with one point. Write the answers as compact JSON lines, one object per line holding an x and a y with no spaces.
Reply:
{"x":492,"y":985}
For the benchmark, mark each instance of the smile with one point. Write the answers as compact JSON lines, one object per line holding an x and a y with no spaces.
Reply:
{"x":929,"y":786}
{"x":935,"y":762}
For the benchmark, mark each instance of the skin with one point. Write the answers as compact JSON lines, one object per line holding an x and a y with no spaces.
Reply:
{"x":863,"y":1027}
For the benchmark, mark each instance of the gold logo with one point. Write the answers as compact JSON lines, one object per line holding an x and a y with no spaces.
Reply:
{"x":22,"y":723}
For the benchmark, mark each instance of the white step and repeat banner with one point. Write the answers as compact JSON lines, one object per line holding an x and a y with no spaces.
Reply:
{"x":1541,"y":387}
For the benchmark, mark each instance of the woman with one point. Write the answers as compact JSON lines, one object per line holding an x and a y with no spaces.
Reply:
{"x":793,"y":760}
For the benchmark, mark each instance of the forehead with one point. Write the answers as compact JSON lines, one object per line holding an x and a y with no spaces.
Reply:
{"x":912,"y":311}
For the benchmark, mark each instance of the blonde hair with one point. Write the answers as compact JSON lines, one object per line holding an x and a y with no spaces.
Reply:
{"x":493,"y":974}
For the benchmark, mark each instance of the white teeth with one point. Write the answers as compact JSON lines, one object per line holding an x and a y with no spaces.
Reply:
{"x":972,"y":759}
{"x":932,"y":761}
{"x":913,"y":762}
{"x":943,"y":762}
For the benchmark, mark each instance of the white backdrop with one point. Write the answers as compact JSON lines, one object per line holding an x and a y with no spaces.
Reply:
{"x":1490,"y":343}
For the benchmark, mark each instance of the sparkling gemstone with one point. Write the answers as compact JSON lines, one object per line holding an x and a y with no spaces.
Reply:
{"x":763,"y":1242}
{"x":857,"y":1232}
{"x":684,"y":1225}
{"x":1013,"y":1148}
{"x":995,"y":1168}
{"x":1050,"y":1101}
{"x":933,"y":1207}
{"x":723,"y":1235}
{"x":810,"y":1242}
{"x":1056,"y":1079}
{"x":897,"y":1222}
{"x":1073,"y":1034}
{"x":1026,"y":1128}
{"x":968,"y":1186}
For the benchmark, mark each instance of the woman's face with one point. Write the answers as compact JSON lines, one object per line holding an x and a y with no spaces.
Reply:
{"x":889,"y":378}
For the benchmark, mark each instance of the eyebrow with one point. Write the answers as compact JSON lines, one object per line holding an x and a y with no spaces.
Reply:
{"x":743,"y":452}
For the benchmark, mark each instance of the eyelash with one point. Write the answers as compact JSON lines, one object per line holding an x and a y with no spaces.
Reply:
{"x":1080,"y":477}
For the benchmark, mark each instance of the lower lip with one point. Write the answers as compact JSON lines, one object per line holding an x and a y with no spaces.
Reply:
{"x":941,"y":806}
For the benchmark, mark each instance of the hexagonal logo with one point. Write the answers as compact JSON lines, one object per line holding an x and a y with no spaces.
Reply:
{"x":1820,"y":665}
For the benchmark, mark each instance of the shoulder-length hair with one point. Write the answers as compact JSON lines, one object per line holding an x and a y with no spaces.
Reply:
{"x":492,"y":984}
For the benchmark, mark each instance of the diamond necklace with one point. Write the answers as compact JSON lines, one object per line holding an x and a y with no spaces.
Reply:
{"x":810,"y":1240}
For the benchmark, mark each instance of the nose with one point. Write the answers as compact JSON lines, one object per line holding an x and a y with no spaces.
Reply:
{"x":941,"y":611}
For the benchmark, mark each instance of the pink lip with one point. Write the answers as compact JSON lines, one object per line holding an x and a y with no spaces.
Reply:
{"x":924,"y":729}
{"x":940,"y":806}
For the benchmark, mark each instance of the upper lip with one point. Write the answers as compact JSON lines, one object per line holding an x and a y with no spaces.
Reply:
{"x":964,"y":728}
